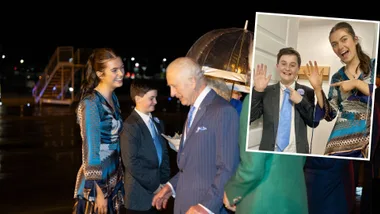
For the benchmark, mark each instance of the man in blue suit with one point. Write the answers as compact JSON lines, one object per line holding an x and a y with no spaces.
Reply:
{"x":209,"y":152}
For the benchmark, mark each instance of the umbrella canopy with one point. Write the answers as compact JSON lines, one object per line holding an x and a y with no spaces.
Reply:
{"x":226,"y":54}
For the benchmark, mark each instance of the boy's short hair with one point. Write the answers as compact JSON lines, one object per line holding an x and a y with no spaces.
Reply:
{"x":289,"y":51}
{"x":140,"y":88}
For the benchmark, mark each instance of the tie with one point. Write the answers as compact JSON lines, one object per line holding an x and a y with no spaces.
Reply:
{"x":189,"y":118}
{"x":156,"y":140}
{"x":283,"y":132}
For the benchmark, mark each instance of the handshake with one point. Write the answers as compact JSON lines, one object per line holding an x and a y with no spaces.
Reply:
{"x":173,"y":141}
{"x":158,"y":189}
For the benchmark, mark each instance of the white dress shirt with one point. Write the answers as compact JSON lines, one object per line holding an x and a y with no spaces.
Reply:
{"x":146,"y":118}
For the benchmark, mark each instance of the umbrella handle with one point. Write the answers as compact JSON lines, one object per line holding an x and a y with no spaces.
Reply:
{"x":232,"y":89}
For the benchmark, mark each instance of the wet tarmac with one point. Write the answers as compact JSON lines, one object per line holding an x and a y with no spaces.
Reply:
{"x":40,"y":154}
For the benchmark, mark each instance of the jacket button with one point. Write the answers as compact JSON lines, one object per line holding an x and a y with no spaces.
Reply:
{"x":181,"y":170}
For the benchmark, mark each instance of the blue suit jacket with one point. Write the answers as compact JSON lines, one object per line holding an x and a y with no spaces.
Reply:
{"x":208,"y":157}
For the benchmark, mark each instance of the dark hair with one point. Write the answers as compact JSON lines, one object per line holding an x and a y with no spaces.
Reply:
{"x":96,"y":62}
{"x":365,"y":60}
{"x":289,"y":51}
{"x":140,"y":88}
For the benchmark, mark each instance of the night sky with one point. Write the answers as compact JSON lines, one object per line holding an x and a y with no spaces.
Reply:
{"x":130,"y":29}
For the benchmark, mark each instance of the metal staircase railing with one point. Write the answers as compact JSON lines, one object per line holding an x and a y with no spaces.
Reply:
{"x":60,"y":75}
{"x":62,"y":56}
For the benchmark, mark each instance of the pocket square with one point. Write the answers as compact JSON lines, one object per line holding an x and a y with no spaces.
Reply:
{"x":200,"y":129}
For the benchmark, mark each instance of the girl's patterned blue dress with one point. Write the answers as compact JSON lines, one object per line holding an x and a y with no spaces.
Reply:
{"x":351,"y":133}
{"x":100,"y":126}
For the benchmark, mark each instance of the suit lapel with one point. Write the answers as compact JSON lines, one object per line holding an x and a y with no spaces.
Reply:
{"x":200,"y":113}
{"x":182,"y":136}
{"x":276,"y":107}
{"x":181,"y":143}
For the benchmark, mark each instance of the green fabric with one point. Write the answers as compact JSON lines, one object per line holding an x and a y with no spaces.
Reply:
{"x":264,"y":182}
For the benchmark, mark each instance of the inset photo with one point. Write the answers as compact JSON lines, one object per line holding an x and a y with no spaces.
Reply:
{"x":312,"y":85}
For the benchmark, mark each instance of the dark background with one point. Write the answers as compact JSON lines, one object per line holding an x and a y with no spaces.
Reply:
{"x":40,"y":147}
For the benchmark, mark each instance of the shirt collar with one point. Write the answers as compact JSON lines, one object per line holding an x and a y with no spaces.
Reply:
{"x":145,"y":117}
{"x":283,"y":87}
{"x":201,"y":96}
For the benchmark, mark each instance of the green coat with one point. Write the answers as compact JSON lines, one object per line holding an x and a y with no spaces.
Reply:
{"x":264,"y":182}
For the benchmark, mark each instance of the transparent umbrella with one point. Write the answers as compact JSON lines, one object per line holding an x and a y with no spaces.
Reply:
{"x":226,"y":54}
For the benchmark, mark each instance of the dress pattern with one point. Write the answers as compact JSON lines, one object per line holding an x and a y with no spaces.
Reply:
{"x":351,"y":133}
{"x":101,"y":161}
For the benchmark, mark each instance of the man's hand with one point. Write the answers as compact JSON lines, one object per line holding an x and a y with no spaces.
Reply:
{"x":160,"y":200}
{"x":197,"y":209}
{"x":158,"y":189}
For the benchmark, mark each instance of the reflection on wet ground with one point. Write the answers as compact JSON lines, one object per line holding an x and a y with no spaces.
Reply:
{"x":40,"y":153}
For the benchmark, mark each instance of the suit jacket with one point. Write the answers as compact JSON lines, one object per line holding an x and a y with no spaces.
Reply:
{"x":264,"y":182}
{"x":208,"y":157}
{"x":142,"y":174}
{"x":267,"y":104}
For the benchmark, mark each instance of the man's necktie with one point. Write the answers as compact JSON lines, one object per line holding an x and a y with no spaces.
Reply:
{"x":156,"y":140}
{"x":283,"y":132}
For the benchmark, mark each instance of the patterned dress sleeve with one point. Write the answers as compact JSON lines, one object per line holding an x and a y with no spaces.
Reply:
{"x":89,"y":121}
{"x":331,"y":104}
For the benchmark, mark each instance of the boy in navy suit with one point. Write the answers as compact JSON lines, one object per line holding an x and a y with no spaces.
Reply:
{"x":144,"y":151}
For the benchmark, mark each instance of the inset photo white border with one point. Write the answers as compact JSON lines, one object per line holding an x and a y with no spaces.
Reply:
{"x":310,"y":37}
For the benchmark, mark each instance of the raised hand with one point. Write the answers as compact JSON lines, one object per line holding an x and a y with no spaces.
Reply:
{"x":260,"y":79}
{"x":314,"y":75}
